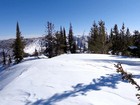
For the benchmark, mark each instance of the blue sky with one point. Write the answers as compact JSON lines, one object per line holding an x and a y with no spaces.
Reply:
{"x":33,"y":15}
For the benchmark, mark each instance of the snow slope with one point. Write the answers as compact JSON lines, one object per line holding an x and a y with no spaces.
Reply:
{"x":78,"y":79}
{"x":30,"y":48}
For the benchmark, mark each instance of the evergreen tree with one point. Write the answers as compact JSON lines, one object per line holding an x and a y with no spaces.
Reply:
{"x":115,"y":40}
{"x":129,"y":38}
{"x":58,"y":39}
{"x":102,"y":37}
{"x":98,"y":41}
{"x":128,"y":42}
{"x":93,"y":40}
{"x":62,"y":41}
{"x":71,"y":40}
{"x":125,"y":41}
{"x":65,"y":40}
{"x":136,"y":41}
{"x":111,"y":34}
{"x":74,"y":47}
{"x":136,"y":38}
{"x":9,"y":60}
{"x":120,"y":40}
{"x":110,"y":39}
{"x":121,"y":47}
{"x":18,"y":46}
{"x":50,"y":40}
{"x":36,"y":53}
{"x":4,"y":57}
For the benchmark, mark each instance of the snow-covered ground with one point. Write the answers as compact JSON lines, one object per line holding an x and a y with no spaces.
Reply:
{"x":69,"y":79}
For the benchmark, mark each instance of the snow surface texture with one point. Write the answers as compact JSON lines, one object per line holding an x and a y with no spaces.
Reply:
{"x":70,"y":79}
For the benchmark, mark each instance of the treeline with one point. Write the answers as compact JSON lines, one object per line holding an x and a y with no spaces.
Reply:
{"x":56,"y":43}
{"x":118,"y":42}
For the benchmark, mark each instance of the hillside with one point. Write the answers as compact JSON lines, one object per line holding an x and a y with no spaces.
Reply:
{"x":69,"y":79}
{"x":36,"y":43}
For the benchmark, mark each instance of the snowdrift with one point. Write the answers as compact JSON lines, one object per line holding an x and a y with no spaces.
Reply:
{"x":69,"y":79}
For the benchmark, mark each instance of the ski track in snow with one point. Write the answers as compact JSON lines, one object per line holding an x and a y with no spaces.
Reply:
{"x":120,"y":96}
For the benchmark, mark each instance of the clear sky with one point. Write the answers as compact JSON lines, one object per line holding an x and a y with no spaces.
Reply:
{"x":33,"y":15}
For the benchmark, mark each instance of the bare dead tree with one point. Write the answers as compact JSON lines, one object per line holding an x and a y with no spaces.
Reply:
{"x":128,"y":77}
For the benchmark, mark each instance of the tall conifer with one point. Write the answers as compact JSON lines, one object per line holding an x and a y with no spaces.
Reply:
{"x":50,"y":40}
{"x":115,"y":40}
{"x":102,"y":37}
{"x":4,"y":57}
{"x":65,"y":40}
{"x":18,"y":46}
{"x":93,"y":41}
{"x":71,"y":40}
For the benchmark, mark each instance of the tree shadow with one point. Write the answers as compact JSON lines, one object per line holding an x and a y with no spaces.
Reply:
{"x":136,"y":76}
{"x":110,"y":81}
{"x":127,"y":62}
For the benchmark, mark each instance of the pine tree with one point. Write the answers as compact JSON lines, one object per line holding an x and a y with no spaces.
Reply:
{"x":136,"y":41}
{"x":93,"y":40}
{"x":36,"y":53}
{"x":128,"y":42}
{"x":115,"y":40}
{"x":65,"y":40}
{"x":102,"y":37}
{"x":58,"y":40}
{"x":4,"y":57}
{"x":98,"y":42}
{"x":122,"y":41}
{"x":71,"y":40}
{"x":50,"y":40}
{"x":110,"y":39}
{"x":18,"y":46}
{"x":74,"y":47}
{"x":129,"y":39}
{"x":9,"y":60}
{"x":62,"y":40}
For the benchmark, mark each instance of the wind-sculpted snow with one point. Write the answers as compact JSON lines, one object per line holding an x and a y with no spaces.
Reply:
{"x":9,"y":74}
{"x":69,"y":79}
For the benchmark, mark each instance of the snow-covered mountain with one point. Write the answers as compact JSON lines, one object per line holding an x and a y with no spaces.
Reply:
{"x":30,"y":45}
{"x":69,"y":79}
{"x":36,"y":43}
{"x":81,"y":41}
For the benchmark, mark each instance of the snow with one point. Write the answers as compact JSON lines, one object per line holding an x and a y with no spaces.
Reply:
{"x":69,"y":79}
{"x":30,"y":48}
{"x":133,"y":47}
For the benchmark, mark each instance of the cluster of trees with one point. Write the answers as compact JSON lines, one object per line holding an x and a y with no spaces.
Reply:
{"x":117,"y":42}
{"x":98,"y":41}
{"x":57,"y":42}
{"x":120,"y":40}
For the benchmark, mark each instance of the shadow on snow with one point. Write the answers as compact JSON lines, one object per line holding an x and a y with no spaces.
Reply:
{"x":110,"y":81}
{"x":127,"y":62}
